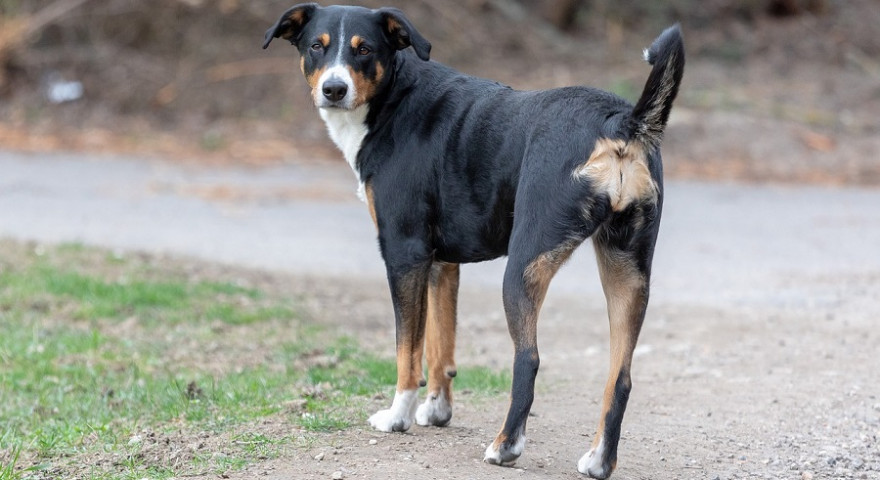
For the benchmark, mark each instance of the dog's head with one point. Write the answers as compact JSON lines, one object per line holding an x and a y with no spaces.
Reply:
{"x":347,"y":52}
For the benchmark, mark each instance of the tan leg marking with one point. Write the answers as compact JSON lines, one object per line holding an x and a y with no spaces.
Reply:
{"x":626,"y":294}
{"x":371,"y":204}
{"x":440,"y":328}
{"x":537,"y":276}
{"x":409,"y":292}
{"x":409,"y":366}
{"x":410,"y":343}
{"x":501,"y":438}
{"x":621,"y":171}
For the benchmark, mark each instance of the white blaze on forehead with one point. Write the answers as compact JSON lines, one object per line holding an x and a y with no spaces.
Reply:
{"x":337,"y":70}
{"x":347,"y":127}
{"x":340,"y":40}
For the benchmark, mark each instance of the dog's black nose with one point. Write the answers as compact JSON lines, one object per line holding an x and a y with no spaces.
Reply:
{"x":335,"y":90}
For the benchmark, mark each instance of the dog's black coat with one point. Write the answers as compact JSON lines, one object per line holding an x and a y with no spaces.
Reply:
{"x":459,"y":169}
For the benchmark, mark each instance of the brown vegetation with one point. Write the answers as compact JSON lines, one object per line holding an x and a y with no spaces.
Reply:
{"x":188,"y":77}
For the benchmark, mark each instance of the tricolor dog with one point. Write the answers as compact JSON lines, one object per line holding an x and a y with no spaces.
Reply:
{"x":457,"y":169}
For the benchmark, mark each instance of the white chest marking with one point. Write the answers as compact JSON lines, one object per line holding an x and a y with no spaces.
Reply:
{"x":347,"y":129}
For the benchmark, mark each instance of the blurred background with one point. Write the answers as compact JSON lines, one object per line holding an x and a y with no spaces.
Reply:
{"x":774,"y":90}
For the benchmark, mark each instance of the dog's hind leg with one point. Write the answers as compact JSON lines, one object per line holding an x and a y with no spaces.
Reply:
{"x":624,"y":267}
{"x":526,"y":280}
{"x":409,"y":286}
{"x":440,"y":344}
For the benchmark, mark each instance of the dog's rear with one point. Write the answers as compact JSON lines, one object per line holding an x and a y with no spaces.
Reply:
{"x":631,"y":172}
{"x":622,"y":166}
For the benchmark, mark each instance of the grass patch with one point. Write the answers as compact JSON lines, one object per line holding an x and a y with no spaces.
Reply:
{"x":483,"y":381}
{"x":344,"y":375}
{"x":151,"y":301}
{"x":125,"y":366}
{"x":97,"y":349}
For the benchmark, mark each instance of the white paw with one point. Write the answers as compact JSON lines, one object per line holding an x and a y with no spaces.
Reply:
{"x":399,"y":417}
{"x":435,"y":411}
{"x":493,"y":456}
{"x":387,"y":421}
{"x":591,"y":463}
{"x":504,"y":456}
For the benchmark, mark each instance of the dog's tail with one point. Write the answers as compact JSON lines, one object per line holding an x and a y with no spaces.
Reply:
{"x":651,"y":112}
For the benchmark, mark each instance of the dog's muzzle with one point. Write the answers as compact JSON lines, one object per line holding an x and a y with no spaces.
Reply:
{"x":334,"y":90}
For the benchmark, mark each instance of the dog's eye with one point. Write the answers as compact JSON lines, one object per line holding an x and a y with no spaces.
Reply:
{"x":317,"y":47}
{"x":363,"y":50}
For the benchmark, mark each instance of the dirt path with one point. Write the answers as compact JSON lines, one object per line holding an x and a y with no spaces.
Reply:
{"x":750,"y":392}
{"x":758,"y":358}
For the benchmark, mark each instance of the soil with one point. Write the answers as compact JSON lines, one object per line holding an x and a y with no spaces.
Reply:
{"x":718,"y":393}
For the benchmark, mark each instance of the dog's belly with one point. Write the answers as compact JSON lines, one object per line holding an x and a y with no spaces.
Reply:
{"x":475,"y":228}
{"x":455,"y":247}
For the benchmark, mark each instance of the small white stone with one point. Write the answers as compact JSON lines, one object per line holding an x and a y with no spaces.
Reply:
{"x":337,"y":475}
{"x":319,"y":456}
{"x":373,"y":441}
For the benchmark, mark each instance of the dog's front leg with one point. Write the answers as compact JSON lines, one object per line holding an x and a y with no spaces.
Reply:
{"x":409,"y":285}
{"x":440,"y":344}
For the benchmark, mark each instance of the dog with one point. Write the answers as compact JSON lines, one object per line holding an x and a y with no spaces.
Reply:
{"x":457,"y":169}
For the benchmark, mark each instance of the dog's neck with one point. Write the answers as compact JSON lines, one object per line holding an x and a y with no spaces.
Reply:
{"x":347,"y":129}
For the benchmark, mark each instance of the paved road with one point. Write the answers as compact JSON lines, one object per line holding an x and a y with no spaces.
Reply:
{"x":720,"y":245}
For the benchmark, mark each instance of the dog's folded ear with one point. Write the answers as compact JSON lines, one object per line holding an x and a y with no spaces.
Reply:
{"x":402,"y":33}
{"x":290,"y":25}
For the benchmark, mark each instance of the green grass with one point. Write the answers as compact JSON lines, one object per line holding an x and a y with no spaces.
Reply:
{"x":96,"y":349}
{"x":114,"y":357}
{"x":358,"y":375}
{"x":482,"y":380}
{"x":164,"y":301}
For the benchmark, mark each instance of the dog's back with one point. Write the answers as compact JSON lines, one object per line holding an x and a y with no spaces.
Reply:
{"x":466,"y":140}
